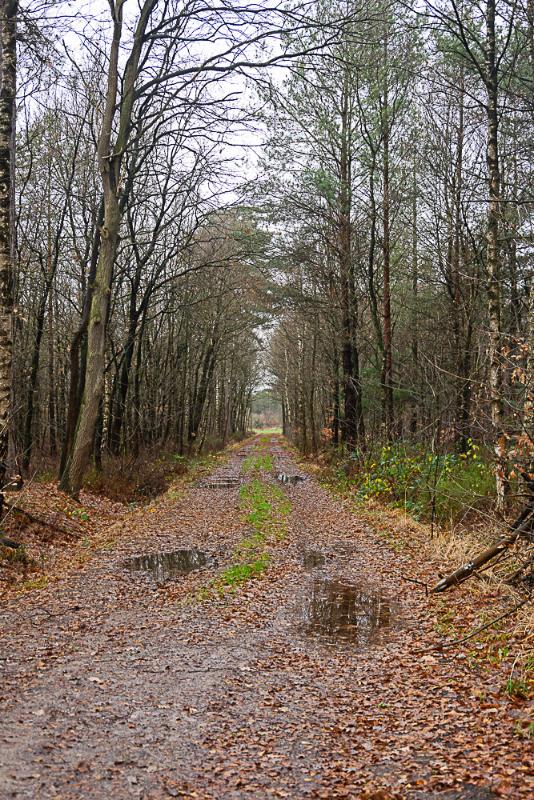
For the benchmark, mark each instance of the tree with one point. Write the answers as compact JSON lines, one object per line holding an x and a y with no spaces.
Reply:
{"x":111,"y":152}
{"x":156,"y":63}
{"x":8,"y":89}
{"x":489,"y":54}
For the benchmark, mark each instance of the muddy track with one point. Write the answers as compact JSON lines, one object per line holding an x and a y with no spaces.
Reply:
{"x":316,"y":680}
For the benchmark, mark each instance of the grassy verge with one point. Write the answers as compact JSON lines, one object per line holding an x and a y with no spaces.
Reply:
{"x":265,"y":509}
{"x":447,"y":492}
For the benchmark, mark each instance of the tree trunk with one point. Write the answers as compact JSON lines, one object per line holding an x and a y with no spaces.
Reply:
{"x":117,"y":421}
{"x":387,"y":369}
{"x":351,"y":380}
{"x":78,"y":462}
{"x":78,"y":353}
{"x":27,"y":440}
{"x":414,"y":344}
{"x":110,"y":158}
{"x":52,"y":423}
{"x":371,"y":265}
{"x":462,"y":356}
{"x":528,"y":401}
{"x":200,"y":395}
{"x":493,"y":259}
{"x":8,"y":88}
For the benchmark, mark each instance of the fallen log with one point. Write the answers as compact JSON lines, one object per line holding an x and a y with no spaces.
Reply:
{"x":521,"y":526}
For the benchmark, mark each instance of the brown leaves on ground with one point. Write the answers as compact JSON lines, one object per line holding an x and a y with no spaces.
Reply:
{"x":50,"y":526}
{"x":137,"y":690}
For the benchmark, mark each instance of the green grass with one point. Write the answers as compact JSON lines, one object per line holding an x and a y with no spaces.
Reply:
{"x":35,"y":583}
{"x":525,"y":730}
{"x":260,"y":463}
{"x":265,"y":508}
{"x":515,"y":687}
{"x":241,"y":573}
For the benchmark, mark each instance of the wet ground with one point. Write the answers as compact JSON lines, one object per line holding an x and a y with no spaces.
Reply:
{"x":316,"y":681}
{"x":164,"y":567}
{"x":338,"y":611}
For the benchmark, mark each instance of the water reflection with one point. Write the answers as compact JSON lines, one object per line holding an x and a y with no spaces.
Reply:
{"x":164,"y":566}
{"x":343,"y":612}
{"x":220,"y":482}
{"x":283,"y":477}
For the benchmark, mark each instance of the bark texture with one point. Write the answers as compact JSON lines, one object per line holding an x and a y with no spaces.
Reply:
{"x":8,"y":88}
{"x":493,"y":256}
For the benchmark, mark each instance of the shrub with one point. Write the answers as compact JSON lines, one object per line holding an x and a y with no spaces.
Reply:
{"x":435,"y":485}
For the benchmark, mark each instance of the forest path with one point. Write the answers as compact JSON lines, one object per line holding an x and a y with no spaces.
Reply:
{"x":317,"y":680}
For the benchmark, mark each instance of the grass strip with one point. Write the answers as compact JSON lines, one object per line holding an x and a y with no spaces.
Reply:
{"x":258,"y":464}
{"x":266,"y":509}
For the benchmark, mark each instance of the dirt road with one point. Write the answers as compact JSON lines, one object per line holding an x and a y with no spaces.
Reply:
{"x":315,"y":679}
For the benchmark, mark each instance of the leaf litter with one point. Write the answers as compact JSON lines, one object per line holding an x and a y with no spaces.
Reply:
{"x":116,"y":685}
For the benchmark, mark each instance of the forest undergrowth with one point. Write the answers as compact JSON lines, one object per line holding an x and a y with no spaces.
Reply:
{"x":438,"y":510}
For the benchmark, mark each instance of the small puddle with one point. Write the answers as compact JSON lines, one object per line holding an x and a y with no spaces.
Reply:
{"x":225,"y":482}
{"x":343,"y":612}
{"x":165,"y":566}
{"x":283,"y":477}
{"x":313,"y":559}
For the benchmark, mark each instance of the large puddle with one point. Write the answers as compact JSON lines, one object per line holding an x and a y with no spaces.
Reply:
{"x":343,"y":612}
{"x":165,"y":566}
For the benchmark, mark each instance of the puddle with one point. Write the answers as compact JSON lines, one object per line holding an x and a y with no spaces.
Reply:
{"x":224,"y":482}
{"x":313,"y":559}
{"x":164,"y":566}
{"x":283,"y":477}
{"x":343,"y":612}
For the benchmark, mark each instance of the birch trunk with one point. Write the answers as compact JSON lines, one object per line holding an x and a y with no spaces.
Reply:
{"x":8,"y":88}
{"x":493,"y":258}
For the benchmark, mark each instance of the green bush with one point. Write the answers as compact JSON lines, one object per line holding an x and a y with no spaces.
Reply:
{"x":438,"y":485}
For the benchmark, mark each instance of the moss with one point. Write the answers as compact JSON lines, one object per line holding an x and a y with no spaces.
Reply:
{"x":34,"y":584}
